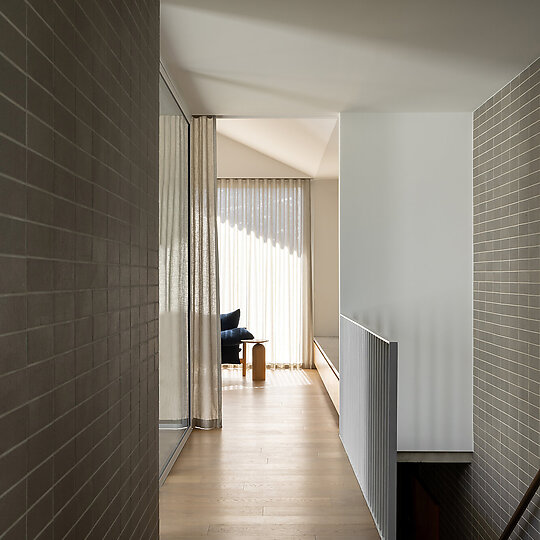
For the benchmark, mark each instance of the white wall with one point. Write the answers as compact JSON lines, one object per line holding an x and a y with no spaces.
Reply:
{"x":325,"y":256}
{"x":406,"y":261}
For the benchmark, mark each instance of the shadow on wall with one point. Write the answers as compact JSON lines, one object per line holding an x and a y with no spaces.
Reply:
{"x":402,"y":25}
{"x":455,"y":499}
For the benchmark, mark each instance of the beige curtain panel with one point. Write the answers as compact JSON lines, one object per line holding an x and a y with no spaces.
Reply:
{"x":264,"y":229}
{"x":205,"y":321}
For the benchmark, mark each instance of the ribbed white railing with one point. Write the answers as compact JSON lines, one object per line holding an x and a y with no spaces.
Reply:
{"x":368,"y":418}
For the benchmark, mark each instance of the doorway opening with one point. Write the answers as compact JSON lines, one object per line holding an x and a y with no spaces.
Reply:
{"x":277,"y":206}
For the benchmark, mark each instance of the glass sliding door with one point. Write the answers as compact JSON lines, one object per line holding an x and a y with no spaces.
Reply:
{"x":174,"y":368}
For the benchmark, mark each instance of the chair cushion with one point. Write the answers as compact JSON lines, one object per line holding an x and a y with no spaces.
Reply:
{"x":234,"y":336}
{"x":230,"y":320}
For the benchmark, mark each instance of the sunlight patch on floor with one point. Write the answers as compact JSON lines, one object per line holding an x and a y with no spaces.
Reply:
{"x":282,"y":377}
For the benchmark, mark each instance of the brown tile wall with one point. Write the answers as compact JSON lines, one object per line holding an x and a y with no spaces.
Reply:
{"x":478,"y":500}
{"x":78,"y":269}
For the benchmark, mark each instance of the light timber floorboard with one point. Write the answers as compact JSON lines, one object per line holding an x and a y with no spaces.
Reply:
{"x":277,"y":469}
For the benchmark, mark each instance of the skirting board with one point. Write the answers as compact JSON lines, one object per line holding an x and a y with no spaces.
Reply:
{"x":327,"y":373}
{"x":174,"y":457}
{"x":434,"y":457}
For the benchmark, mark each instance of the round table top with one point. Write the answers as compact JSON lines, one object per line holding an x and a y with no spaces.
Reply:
{"x":254,"y":340}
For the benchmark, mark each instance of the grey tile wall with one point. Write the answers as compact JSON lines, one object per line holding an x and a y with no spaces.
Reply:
{"x":477,"y":501}
{"x":78,"y":269}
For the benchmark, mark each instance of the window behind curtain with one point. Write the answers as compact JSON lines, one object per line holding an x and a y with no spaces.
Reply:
{"x":265,"y":262}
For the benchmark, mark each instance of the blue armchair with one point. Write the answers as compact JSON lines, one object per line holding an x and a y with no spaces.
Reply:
{"x":231,"y":337}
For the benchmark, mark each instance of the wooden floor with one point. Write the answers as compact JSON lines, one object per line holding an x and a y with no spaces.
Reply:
{"x":276,"y":470}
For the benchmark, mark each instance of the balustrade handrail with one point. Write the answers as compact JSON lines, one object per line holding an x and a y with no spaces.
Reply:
{"x":521,"y":507}
{"x":365,"y":328}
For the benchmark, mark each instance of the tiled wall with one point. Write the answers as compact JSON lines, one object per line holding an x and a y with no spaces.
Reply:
{"x":78,"y":269}
{"x":477,"y":501}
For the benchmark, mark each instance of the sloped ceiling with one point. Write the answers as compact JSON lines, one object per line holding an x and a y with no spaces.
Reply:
{"x":316,"y":57}
{"x":304,"y":147}
{"x":329,"y":165}
{"x":237,"y":160}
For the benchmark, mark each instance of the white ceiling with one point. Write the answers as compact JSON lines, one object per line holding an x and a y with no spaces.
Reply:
{"x":295,"y":58}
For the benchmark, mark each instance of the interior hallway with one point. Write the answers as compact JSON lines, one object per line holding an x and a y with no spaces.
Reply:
{"x":277,"y":469}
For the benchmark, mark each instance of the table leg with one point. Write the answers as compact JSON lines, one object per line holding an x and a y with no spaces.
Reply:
{"x":244,"y":359}
{"x":258,"y":354}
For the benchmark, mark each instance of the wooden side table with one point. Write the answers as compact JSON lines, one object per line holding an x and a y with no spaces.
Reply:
{"x":259,"y":358}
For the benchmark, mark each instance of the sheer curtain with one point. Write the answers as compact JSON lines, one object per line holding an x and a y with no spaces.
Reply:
{"x":265,"y":263}
{"x":205,"y":323}
{"x":173,"y":271}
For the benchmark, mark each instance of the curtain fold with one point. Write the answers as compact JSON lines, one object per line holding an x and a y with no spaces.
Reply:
{"x":205,"y":322}
{"x":264,"y":229}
